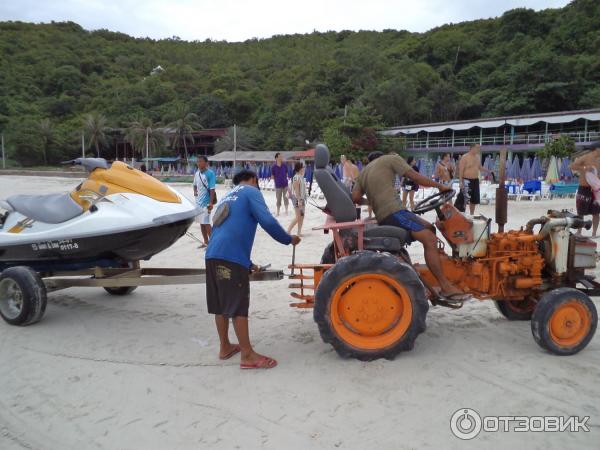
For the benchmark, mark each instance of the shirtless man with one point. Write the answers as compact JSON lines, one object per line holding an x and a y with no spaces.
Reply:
{"x":347,"y":172}
{"x":443,"y":170}
{"x":585,"y":198}
{"x":468,"y":173}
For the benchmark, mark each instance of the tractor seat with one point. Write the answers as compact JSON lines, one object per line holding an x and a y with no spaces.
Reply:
{"x":49,"y":208}
{"x":389,"y":231}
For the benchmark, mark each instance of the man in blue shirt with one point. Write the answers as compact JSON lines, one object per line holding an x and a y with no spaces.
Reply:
{"x":228,"y":265}
{"x":204,"y":191}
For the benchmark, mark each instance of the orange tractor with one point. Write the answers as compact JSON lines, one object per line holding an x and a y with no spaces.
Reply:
{"x":370,"y":301}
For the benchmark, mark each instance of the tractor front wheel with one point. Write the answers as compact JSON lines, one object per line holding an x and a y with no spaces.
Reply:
{"x":370,"y":305}
{"x":564,"y":321}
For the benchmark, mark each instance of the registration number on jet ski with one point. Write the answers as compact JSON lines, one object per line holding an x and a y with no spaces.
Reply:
{"x":62,"y":245}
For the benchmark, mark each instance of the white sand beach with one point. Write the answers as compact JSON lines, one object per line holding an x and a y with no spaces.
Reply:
{"x":142,"y":372}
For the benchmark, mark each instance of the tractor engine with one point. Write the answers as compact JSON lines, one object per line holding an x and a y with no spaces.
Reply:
{"x":510,"y":269}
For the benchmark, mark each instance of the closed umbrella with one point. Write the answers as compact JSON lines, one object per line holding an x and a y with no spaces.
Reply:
{"x":565,"y":170}
{"x":512,"y":171}
{"x":536,"y":168}
{"x":338,"y":171}
{"x":525,"y":173}
{"x":552,"y":175}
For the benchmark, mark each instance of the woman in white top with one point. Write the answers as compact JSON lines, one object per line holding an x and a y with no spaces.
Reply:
{"x":298,"y":197}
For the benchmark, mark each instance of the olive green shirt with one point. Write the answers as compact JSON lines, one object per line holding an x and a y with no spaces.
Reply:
{"x":377,"y":181}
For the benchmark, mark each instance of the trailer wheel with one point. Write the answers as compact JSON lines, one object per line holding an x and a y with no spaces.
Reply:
{"x":126,"y":290}
{"x":370,"y":305}
{"x":22,"y":296}
{"x":564,"y":321}
{"x":516,"y":309}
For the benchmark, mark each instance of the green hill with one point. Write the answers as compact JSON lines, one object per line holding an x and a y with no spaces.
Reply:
{"x":287,"y":89}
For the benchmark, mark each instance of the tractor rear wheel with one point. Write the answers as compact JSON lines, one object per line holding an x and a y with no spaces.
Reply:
{"x":370,"y":305}
{"x":516,"y":309}
{"x":328,"y":254}
{"x":564,"y":321}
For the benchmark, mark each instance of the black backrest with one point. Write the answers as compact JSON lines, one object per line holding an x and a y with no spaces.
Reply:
{"x":339,"y":199}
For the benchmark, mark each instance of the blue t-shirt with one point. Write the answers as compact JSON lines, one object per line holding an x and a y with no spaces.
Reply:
{"x":204,"y":182}
{"x":233,"y":239}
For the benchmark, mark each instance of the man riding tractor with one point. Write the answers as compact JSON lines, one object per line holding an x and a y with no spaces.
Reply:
{"x":377,"y":182}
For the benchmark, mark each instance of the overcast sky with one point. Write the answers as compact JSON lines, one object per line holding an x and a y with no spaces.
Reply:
{"x":238,"y":20}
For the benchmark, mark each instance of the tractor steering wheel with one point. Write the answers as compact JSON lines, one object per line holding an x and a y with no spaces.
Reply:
{"x":433,"y":201}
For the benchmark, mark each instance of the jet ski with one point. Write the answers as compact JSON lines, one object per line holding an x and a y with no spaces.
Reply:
{"x":117,"y":216}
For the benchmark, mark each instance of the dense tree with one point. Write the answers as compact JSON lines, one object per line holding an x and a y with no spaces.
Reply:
{"x":46,"y":133}
{"x":183,"y":123}
{"x":145,"y":136}
{"x":94,"y":125}
{"x":240,"y":139}
{"x":289,"y":89}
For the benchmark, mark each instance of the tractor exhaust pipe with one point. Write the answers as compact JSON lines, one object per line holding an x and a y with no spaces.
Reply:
{"x":502,"y":195}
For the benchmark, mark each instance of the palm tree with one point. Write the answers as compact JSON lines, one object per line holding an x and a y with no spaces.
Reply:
{"x":183,"y":124}
{"x":94,"y":125}
{"x":145,"y":135}
{"x":243,"y":140}
{"x":47,"y":136}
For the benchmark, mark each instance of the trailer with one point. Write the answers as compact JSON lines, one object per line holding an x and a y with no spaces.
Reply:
{"x":23,"y":291}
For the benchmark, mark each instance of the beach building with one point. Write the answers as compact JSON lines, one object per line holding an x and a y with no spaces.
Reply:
{"x":526,"y":133}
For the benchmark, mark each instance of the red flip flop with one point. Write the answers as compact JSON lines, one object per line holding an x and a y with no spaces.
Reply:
{"x":262,"y":363}
{"x":235,"y":351}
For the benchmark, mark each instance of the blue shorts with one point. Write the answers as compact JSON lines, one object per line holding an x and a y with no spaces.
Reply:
{"x":404,"y":219}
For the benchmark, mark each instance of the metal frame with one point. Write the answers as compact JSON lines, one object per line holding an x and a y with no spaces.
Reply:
{"x":129,"y":277}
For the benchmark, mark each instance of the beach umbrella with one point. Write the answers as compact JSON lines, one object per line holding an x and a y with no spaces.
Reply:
{"x":552,"y":174}
{"x":536,"y":168}
{"x":525,"y":172}
{"x":338,"y":171}
{"x":565,"y":170}
{"x":511,"y":171}
{"x":487,"y":163}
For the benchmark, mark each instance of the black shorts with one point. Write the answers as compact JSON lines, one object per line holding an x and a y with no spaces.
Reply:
{"x":471,"y":190}
{"x":584,"y":201}
{"x":227,"y":288}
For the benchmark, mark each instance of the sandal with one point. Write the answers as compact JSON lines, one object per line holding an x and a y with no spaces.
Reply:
{"x":263,"y":363}
{"x":235,"y":351}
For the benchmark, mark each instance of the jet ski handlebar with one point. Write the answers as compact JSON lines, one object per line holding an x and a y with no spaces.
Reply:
{"x":90,"y":164}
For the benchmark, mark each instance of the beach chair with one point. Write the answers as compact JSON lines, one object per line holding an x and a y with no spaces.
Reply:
{"x":513,"y":191}
{"x":545,"y":193}
{"x":488,"y":194}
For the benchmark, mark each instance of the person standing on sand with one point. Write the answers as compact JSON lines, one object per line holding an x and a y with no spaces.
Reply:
{"x":409,"y":186}
{"x":204,"y":191}
{"x":347,"y":172}
{"x":228,"y":266}
{"x":298,"y":197}
{"x":279,"y":175}
{"x":443,"y":170}
{"x":584,"y":200}
{"x":468,"y":173}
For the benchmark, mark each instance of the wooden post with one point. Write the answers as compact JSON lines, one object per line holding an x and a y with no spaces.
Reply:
{"x":502,"y":195}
